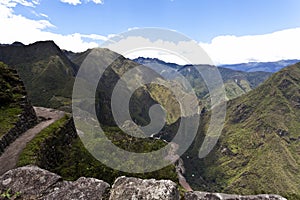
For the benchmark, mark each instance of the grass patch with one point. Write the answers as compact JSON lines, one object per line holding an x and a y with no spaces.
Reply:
{"x":71,"y":159}
{"x":31,"y":152}
{"x":11,"y":92}
{"x":8,"y":116}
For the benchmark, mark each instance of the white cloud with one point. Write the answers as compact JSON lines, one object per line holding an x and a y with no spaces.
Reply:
{"x":132,"y":28}
{"x":275,"y":46}
{"x":19,"y":28}
{"x":165,"y":56}
{"x":180,"y":52}
{"x":226,"y":49}
{"x":72,"y":2}
{"x":96,"y":1}
{"x":44,"y":15}
{"x":13,"y":3}
{"x":76,"y":2}
{"x":94,"y":37}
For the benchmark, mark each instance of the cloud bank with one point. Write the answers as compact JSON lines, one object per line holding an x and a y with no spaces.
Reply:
{"x":275,"y":46}
{"x":72,"y":2}
{"x":228,"y":49}
{"x":19,"y":28}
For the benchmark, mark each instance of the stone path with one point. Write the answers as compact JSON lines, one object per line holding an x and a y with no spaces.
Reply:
{"x":9,"y":158}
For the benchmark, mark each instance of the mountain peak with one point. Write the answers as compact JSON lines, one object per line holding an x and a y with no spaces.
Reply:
{"x":17,"y":44}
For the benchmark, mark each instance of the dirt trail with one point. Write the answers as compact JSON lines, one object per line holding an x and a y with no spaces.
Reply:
{"x":9,"y":158}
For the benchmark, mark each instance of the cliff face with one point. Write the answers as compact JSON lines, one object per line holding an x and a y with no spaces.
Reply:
{"x":17,"y":114}
{"x":31,"y":182}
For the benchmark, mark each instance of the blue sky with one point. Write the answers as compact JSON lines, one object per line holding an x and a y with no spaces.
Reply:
{"x":201,"y":20}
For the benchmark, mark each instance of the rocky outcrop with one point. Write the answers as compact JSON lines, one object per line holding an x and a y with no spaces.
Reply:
{"x":31,"y":182}
{"x":135,"y":188}
{"x":35,"y":183}
{"x":26,"y":120}
{"x":219,"y":196}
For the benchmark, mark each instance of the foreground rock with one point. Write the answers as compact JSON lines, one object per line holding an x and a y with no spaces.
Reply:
{"x":31,"y":182}
{"x":83,"y":188}
{"x":219,"y":196}
{"x":135,"y":188}
{"x":35,"y":183}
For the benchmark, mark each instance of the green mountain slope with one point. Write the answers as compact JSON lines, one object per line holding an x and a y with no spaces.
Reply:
{"x":115,"y":67}
{"x":11,"y":94}
{"x":259,"y":149}
{"x":47,"y":73}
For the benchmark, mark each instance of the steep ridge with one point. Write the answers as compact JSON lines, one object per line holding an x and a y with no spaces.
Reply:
{"x":77,"y":58}
{"x":259,"y":149}
{"x":47,"y":73}
{"x":142,"y":99}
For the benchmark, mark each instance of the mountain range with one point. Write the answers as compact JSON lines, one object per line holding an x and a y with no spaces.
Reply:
{"x":236,"y":82}
{"x":258,"y":151}
{"x":261,"y":66}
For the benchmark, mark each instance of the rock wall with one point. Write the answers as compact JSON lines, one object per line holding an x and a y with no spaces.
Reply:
{"x":27,"y":119}
{"x":50,"y":152}
{"x":31,"y":182}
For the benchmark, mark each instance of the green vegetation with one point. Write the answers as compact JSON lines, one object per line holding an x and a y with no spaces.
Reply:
{"x":8,"y":116}
{"x":30,"y":155}
{"x":79,"y":162}
{"x":168,"y":101}
{"x":72,"y":161}
{"x":8,"y":195}
{"x":47,"y":73}
{"x":141,"y":100}
{"x":258,"y":151}
{"x":11,"y":93}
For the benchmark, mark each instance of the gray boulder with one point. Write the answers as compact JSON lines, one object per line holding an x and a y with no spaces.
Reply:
{"x":83,"y":188}
{"x":196,"y":195}
{"x":35,"y":183}
{"x":135,"y":188}
{"x":30,"y":181}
